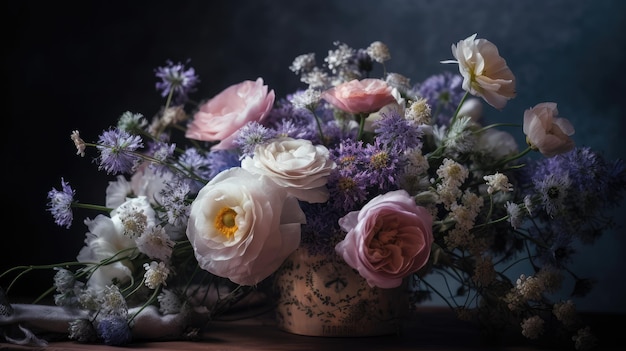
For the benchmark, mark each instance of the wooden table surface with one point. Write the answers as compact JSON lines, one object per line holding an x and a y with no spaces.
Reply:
{"x":433,"y":329}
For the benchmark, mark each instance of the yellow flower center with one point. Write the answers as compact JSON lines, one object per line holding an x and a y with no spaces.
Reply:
{"x":225,"y":222}
{"x":380,"y":160}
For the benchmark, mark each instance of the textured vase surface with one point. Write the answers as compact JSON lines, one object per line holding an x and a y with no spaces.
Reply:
{"x":320,"y":295}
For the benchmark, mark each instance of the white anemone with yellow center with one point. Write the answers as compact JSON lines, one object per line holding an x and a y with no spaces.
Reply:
{"x":242,"y":226}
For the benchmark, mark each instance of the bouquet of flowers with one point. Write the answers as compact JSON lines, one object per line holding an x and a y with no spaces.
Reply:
{"x":400,"y":180}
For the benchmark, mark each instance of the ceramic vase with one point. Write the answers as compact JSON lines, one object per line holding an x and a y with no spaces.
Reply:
{"x":320,"y":295}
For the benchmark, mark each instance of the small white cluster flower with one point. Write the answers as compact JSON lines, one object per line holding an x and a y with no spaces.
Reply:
{"x":338,"y":59}
{"x":379,"y":52}
{"x":156,"y":274}
{"x":316,"y":78}
{"x":306,"y":99}
{"x":169,"y":302}
{"x":419,"y":111}
{"x":515,"y":214}
{"x":398,"y":81}
{"x":452,"y":175}
{"x":112,"y":302}
{"x":497,"y":182}
{"x":584,"y":339}
{"x":532,"y":327}
{"x":565,"y":311}
{"x":530,"y":287}
{"x":156,"y":243}
{"x":303,"y":63}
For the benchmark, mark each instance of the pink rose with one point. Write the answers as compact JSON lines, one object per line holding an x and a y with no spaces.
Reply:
{"x":360,"y":96}
{"x":388,"y":239}
{"x":222,"y":116}
{"x":546,"y":132}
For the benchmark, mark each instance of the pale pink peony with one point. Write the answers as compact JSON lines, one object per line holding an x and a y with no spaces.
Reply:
{"x":546,"y":132}
{"x":221,"y":117}
{"x":485,"y":73}
{"x":242,"y":226}
{"x":388,"y":239}
{"x":360,"y":96}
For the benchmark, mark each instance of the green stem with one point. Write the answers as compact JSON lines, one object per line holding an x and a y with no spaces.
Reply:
{"x":361,"y":117}
{"x":515,"y":157}
{"x":91,"y":207}
{"x":319,"y":126}
{"x":458,"y":108}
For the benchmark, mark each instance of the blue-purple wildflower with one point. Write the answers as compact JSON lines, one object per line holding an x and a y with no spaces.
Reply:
{"x":195,"y":164}
{"x":444,"y":93}
{"x":60,"y":204}
{"x":118,"y":151}
{"x":251,"y":135}
{"x":177,"y":80}
{"x":398,"y":133}
{"x":114,"y":331}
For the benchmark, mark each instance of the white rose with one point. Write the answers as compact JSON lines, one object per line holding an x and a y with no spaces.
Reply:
{"x":295,"y":164}
{"x":242,"y":226}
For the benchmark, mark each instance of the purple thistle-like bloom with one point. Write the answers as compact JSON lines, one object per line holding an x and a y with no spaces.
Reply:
{"x":114,"y":330}
{"x":444,"y":93}
{"x":321,"y":232}
{"x":196,"y":165}
{"x":60,"y":204}
{"x":174,"y":199}
{"x":163,"y":153}
{"x":348,"y":182}
{"x":383,"y":167}
{"x":176,"y":78}
{"x":220,"y":160}
{"x":395,"y":131}
{"x":251,"y":135}
{"x":117,"y":151}
{"x":560,"y":250}
{"x":575,"y":189}
{"x":348,"y":189}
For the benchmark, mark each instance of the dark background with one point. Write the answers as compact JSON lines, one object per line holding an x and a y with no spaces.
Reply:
{"x":80,"y":65}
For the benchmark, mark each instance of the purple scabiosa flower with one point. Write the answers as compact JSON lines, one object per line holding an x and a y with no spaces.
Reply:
{"x":60,"y":204}
{"x":297,"y":129}
{"x":163,"y":154}
{"x":444,"y":93}
{"x":114,"y":330}
{"x":383,"y":167}
{"x":177,"y":80}
{"x":220,"y":160}
{"x":174,"y":200}
{"x":349,"y":189}
{"x":348,"y":182}
{"x":196,"y":165}
{"x":250,"y":135}
{"x":581,"y":185}
{"x":290,"y":121}
{"x":395,"y":131}
{"x":117,"y":151}
{"x":320,"y":234}
{"x":553,"y":192}
{"x":560,"y":248}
